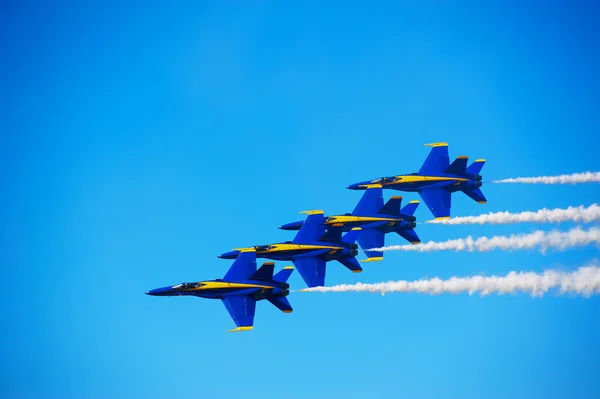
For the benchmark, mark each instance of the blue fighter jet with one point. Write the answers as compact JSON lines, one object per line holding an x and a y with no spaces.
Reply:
{"x":311,"y":249}
{"x":375,"y":219}
{"x":436,"y":180}
{"x":239,"y":290}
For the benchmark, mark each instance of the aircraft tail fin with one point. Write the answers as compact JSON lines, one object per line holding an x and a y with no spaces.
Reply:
{"x":475,"y":167}
{"x":410,"y":208}
{"x":476,"y":195}
{"x":265,"y":272}
{"x":351,"y":236}
{"x":409,"y":235}
{"x":281,"y":303}
{"x":392,"y":207}
{"x":283,"y":275}
{"x":459,"y":166}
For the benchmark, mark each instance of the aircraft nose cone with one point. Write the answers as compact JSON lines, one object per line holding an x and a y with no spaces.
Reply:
{"x":229,"y":255}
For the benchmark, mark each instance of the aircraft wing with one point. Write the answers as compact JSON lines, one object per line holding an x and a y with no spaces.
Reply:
{"x":241,"y":309}
{"x":243,"y":267}
{"x":312,"y":229}
{"x":370,"y":203}
{"x":312,"y":270}
{"x":371,"y":238}
{"x":437,"y":161}
{"x":438,"y":200}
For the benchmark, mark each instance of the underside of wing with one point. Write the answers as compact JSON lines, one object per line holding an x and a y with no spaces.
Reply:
{"x":438,"y":200}
{"x":312,"y":271}
{"x":241,"y":309}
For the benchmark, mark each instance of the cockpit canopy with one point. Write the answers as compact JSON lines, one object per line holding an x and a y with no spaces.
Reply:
{"x":264,"y":247}
{"x":391,"y":179}
{"x":187,"y":286}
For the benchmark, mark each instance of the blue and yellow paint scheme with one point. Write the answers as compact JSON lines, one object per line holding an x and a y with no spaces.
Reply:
{"x":436,"y":180}
{"x":375,"y":220}
{"x":239,"y":290}
{"x":311,"y":249}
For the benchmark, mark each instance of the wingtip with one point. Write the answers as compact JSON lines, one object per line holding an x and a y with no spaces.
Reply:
{"x":357,"y":271}
{"x":438,"y":144}
{"x":288,"y":268}
{"x":480,"y":160}
{"x":415,"y":202}
{"x":248,"y":328}
{"x":312,"y":212}
{"x":443,"y":218}
{"x":373,"y":259}
{"x":482,"y":202}
{"x":287,"y":311}
{"x":415,"y":242}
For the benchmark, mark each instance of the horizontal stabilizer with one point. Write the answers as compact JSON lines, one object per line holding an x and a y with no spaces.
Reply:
{"x":392,"y":207}
{"x":475,"y":167}
{"x":476,"y":195}
{"x":410,"y":208}
{"x":409,"y":235}
{"x":264,"y":273}
{"x":281,"y":303}
{"x":458,"y":167}
{"x":352,"y":264}
{"x":283,"y":275}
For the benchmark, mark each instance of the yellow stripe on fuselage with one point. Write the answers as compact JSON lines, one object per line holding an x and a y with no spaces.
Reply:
{"x":350,"y":219}
{"x":420,"y":179}
{"x":297,"y":247}
{"x":216,"y":285}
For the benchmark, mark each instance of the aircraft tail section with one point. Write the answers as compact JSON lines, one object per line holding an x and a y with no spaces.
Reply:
{"x":351,"y":236}
{"x":370,"y":202}
{"x":475,"y":167}
{"x":283,"y":275}
{"x":409,"y":235}
{"x":410,"y":208}
{"x":392,"y":207}
{"x":312,"y":229}
{"x":476,"y":195}
{"x":265,"y":272}
{"x":458,"y":167}
{"x":352,"y":264}
{"x":281,"y":303}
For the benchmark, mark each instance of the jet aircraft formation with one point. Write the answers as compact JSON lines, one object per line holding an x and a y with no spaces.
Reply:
{"x":321,"y":239}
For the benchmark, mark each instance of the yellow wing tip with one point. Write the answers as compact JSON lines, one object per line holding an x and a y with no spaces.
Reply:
{"x":373,"y":259}
{"x":443,"y":218}
{"x":287,"y":311}
{"x":415,"y":242}
{"x":415,"y":202}
{"x":288,"y":268}
{"x":357,"y":271}
{"x":312,"y":212}
{"x":241,"y":329}
{"x":482,"y":202}
{"x":439,"y":144}
{"x":480,"y":160}
{"x":357,"y":229}
{"x":462,"y":157}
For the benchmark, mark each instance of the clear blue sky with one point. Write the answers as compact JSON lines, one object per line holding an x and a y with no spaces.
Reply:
{"x":139,"y":142}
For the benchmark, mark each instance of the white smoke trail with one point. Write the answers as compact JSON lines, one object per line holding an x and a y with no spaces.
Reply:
{"x":572,"y":214}
{"x":584,"y":281}
{"x":538,"y":239}
{"x":586,"y":177}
